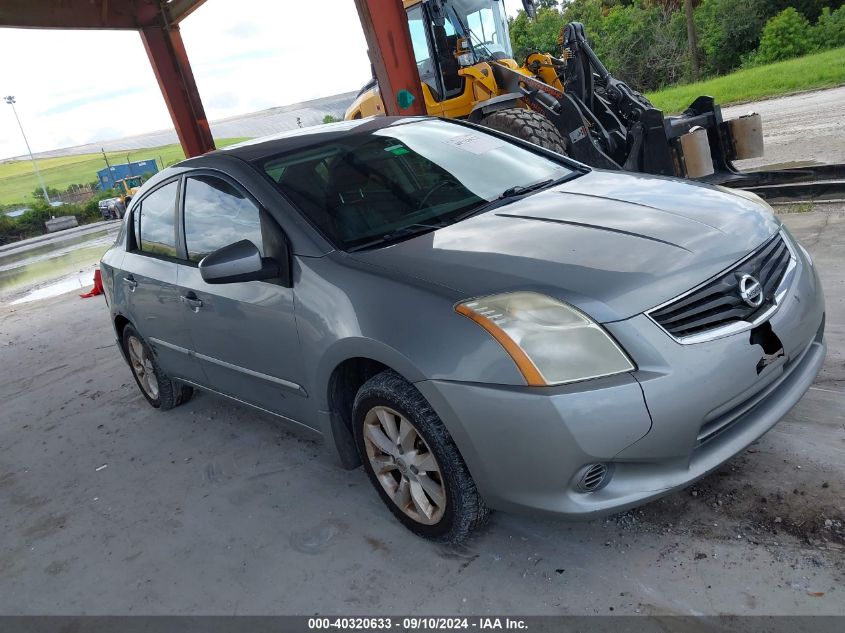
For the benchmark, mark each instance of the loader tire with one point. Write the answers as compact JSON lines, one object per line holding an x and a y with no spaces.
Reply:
{"x":527,"y":125}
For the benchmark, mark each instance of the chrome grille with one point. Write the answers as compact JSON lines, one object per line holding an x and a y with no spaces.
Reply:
{"x":718,"y":302}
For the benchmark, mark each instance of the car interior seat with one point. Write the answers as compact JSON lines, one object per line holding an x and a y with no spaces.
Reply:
{"x":349,"y":205}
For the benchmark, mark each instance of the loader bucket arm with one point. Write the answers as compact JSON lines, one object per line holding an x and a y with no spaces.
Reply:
{"x":608,"y":124}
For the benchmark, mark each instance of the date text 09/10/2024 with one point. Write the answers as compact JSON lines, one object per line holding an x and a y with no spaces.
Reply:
{"x":417,"y":623}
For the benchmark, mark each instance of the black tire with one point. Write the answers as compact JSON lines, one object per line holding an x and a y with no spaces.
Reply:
{"x":527,"y":125}
{"x":464,"y":508}
{"x":168,"y":393}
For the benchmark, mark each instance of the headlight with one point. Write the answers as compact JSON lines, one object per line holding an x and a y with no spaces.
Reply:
{"x":550,"y":342}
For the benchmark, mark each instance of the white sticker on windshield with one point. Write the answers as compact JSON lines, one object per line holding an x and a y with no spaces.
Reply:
{"x":476,"y":143}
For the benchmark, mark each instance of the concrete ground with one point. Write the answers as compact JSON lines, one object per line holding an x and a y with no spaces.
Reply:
{"x":110,"y":507}
{"x":800,"y":129}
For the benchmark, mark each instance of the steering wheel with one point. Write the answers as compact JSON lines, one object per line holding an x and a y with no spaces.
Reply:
{"x":428,"y":193}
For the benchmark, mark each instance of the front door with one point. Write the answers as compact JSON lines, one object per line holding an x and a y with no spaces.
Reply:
{"x":148,"y":283}
{"x":244,"y":333}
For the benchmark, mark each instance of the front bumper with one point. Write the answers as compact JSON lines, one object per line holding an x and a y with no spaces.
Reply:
{"x":686,"y":410}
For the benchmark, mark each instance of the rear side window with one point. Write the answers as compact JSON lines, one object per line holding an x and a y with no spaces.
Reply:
{"x":218,"y":214}
{"x":155,"y":221}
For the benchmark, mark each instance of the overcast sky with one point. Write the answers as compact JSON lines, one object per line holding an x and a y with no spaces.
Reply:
{"x":75,"y":87}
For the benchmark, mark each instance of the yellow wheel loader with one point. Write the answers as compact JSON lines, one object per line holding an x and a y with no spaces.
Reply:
{"x":127,"y":187}
{"x":569,"y":104}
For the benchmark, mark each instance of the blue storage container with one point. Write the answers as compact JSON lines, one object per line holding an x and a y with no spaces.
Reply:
{"x":106,"y":178}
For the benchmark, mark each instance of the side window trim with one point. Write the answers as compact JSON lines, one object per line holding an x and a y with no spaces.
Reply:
{"x":137,"y":203}
{"x":432,"y":51}
{"x":181,"y":242}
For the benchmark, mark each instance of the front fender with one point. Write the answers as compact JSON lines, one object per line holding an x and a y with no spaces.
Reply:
{"x":361,"y":347}
{"x":403,"y":322}
{"x":502,"y":102}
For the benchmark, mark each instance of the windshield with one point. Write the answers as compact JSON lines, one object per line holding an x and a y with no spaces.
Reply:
{"x":377,"y":186}
{"x":485,"y":26}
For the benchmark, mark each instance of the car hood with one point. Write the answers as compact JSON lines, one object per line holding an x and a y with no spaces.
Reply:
{"x":612,"y":244}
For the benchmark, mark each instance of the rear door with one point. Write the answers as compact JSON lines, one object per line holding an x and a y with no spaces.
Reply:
{"x":244,"y":333}
{"x":148,"y":279}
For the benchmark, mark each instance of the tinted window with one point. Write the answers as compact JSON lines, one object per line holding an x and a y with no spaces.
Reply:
{"x":418,"y":175}
{"x":216,"y":215}
{"x":155,"y":227}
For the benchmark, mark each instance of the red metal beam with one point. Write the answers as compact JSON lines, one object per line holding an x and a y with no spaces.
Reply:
{"x":173,"y":71}
{"x":92,"y":14}
{"x":385,"y":27}
{"x":178,"y":10}
{"x":78,"y":14}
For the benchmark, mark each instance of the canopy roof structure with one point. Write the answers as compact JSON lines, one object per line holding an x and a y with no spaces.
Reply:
{"x":384,"y":23}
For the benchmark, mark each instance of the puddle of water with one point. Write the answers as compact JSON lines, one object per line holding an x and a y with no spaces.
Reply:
{"x":17,"y":273}
{"x":52,"y":248}
{"x":76,"y":282}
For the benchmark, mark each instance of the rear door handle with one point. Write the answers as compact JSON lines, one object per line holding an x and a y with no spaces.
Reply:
{"x":130,"y":281}
{"x":191,"y":301}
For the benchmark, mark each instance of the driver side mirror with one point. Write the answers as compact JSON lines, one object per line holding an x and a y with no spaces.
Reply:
{"x":530,"y":8}
{"x":239,"y":262}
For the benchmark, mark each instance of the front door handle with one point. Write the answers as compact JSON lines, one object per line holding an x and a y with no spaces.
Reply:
{"x":191,"y":301}
{"x":130,"y":281}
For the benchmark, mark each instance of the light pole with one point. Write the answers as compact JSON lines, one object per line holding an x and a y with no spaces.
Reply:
{"x":11,"y":101}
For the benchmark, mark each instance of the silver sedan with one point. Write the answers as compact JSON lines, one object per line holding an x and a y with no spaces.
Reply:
{"x":481,"y":323}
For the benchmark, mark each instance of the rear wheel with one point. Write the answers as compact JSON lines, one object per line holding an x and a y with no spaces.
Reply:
{"x":412,"y":461}
{"x":527,"y":125}
{"x":157,"y":387}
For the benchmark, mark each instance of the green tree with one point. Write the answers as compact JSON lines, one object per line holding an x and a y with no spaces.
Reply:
{"x":38,"y":193}
{"x":540,"y":34}
{"x":727,"y":30}
{"x":8,"y":228}
{"x":829,"y":31}
{"x":786,"y":35}
{"x":810,"y":9}
{"x":644,"y":44}
{"x":330,"y":119}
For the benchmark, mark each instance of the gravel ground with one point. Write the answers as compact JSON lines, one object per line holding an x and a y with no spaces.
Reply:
{"x":110,"y":507}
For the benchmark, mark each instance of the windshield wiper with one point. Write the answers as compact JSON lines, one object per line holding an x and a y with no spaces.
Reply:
{"x":409,"y":230}
{"x":512,"y":192}
{"x":518,"y":190}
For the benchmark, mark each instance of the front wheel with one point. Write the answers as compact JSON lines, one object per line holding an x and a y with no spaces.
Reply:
{"x":527,"y":125}
{"x":412,"y":461}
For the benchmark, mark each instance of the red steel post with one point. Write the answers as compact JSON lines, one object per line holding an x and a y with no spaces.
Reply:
{"x":173,"y":71}
{"x":392,"y":55}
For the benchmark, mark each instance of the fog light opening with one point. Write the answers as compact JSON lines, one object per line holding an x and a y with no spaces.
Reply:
{"x":593,"y":477}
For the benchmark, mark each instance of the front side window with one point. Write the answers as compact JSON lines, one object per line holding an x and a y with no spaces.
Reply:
{"x":373,"y":186}
{"x":486,"y":27}
{"x":422,"y":53}
{"x":155,"y":221}
{"x":218,"y":214}
{"x":418,"y":38}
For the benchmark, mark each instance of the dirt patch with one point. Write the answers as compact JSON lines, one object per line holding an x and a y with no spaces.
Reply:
{"x":726,"y":505}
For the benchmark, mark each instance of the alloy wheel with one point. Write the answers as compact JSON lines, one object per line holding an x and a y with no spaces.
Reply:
{"x":404,"y":465}
{"x":142,"y":366}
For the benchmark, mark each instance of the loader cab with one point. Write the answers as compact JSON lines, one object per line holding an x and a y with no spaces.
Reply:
{"x":449,"y":35}
{"x":454,"y":42}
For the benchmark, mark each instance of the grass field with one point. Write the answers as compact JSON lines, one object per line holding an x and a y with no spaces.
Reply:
{"x":821,"y":70}
{"x":18,"y":181}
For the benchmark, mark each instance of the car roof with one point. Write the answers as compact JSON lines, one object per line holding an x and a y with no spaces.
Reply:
{"x":264,"y":147}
